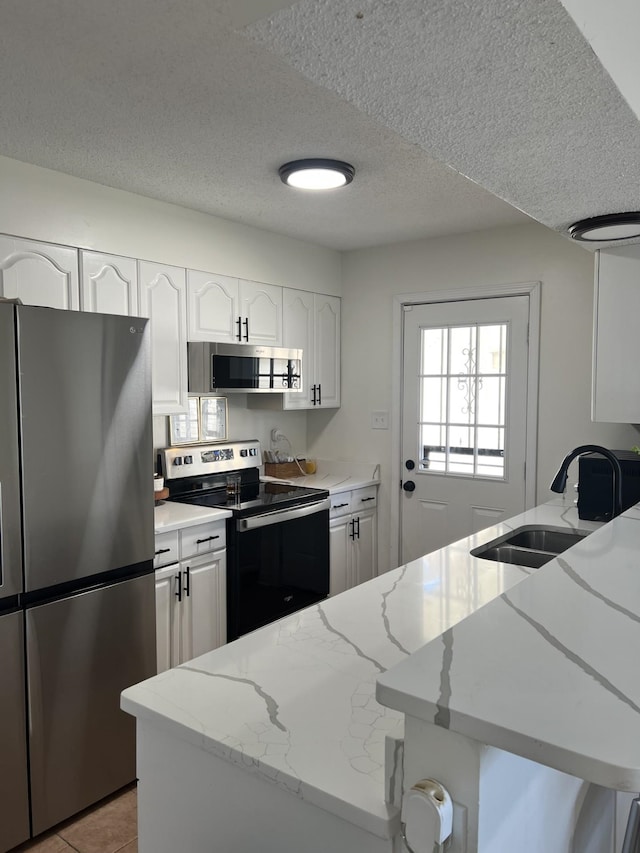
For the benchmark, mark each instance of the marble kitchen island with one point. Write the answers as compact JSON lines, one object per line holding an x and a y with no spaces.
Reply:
{"x":514,"y":707}
{"x":278,"y":737}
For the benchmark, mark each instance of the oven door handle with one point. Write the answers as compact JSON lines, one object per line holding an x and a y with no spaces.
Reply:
{"x":280,"y":516}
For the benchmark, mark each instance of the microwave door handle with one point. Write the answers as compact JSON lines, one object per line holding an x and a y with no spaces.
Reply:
{"x":280,"y":516}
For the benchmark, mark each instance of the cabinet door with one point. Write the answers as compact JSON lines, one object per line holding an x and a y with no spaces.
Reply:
{"x":39,"y":274}
{"x":366,"y":548}
{"x":327,"y":350}
{"x":162,"y":298}
{"x":167,"y":617}
{"x":261,"y":308}
{"x":340,"y":554}
{"x":108,"y":284}
{"x":213,"y":307}
{"x":204,"y":605}
{"x":616,"y":347}
{"x":298,"y":331}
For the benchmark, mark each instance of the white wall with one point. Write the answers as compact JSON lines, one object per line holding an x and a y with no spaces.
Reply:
{"x":41,"y":204}
{"x":498,"y":256}
{"x":45,"y":205}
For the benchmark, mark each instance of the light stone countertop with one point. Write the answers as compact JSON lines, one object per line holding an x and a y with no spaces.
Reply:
{"x":336,"y":476}
{"x":294,"y":701}
{"x":548,"y":670}
{"x":170,"y":515}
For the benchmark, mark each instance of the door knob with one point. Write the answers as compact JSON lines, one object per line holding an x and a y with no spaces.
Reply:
{"x":409,"y":464}
{"x":409,"y":486}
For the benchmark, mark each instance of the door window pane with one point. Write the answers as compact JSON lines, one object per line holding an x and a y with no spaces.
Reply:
{"x":463,"y":399}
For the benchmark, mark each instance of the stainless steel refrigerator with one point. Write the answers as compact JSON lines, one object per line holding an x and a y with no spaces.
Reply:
{"x":77,"y":612}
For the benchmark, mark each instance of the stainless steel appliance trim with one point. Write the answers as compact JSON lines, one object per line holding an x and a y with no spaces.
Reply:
{"x":246,"y":350}
{"x":279,"y":516}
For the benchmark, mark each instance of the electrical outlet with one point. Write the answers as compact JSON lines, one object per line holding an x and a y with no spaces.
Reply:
{"x":379,"y":420}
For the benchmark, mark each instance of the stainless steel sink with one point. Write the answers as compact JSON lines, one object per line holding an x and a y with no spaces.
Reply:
{"x":532,"y":545}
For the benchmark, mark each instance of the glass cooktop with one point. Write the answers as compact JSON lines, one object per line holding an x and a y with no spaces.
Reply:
{"x":255,"y":498}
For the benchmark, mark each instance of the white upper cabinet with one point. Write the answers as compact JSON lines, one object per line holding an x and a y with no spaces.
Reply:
{"x":108,"y":284}
{"x":162,"y":298}
{"x":616,"y":345}
{"x":39,"y":273}
{"x":231,"y":310}
{"x":261,"y":313}
{"x":311,"y":321}
{"x":327,"y":351}
{"x":212,"y":307}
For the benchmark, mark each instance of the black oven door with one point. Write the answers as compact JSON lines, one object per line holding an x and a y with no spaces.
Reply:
{"x":278,"y":562}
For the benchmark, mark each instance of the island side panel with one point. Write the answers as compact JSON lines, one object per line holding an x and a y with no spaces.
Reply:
{"x":503,"y":802}
{"x":192,"y":801}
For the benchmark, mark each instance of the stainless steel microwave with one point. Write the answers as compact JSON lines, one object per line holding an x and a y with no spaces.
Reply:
{"x":224,"y":368}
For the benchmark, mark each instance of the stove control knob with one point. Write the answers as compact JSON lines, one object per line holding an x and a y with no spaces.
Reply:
{"x":253,"y":451}
{"x":188,"y":460}
{"x":177,"y":460}
{"x":244,"y":452}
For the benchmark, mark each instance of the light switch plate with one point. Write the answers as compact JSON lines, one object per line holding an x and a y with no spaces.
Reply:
{"x":379,"y":420}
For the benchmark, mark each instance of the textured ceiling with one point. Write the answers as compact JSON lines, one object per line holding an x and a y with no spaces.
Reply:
{"x":508,"y":93}
{"x":198,"y":103}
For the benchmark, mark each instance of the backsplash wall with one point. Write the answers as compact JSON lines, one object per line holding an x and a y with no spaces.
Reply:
{"x":250,"y":423}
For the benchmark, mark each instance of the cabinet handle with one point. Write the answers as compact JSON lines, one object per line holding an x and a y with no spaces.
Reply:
{"x":364,"y":500}
{"x":179,"y":587}
{"x":339,"y":506}
{"x":163,"y":551}
{"x":187,"y":586}
{"x":246,"y":328}
{"x":313,"y":399}
{"x":319,"y":394}
{"x":208,"y":539}
{"x":239,"y":325}
{"x":352,"y":524}
{"x":356,"y":528}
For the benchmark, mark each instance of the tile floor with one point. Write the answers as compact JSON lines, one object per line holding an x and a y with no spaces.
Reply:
{"x":108,"y":827}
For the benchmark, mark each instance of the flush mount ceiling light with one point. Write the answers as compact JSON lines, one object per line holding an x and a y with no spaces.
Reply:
{"x":612,"y":226}
{"x":316,"y":174}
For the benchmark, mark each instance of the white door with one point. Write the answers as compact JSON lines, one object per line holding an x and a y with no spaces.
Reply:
{"x":298,"y":331}
{"x":162,"y":299}
{"x":39,"y":273}
{"x":109,"y":284}
{"x":204,"y":602}
{"x":464,"y":419}
{"x":213,"y":307}
{"x":327,"y":351}
{"x":261,"y":310}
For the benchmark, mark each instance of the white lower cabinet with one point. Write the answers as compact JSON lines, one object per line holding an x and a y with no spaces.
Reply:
{"x":353,"y":537}
{"x":191,"y":595}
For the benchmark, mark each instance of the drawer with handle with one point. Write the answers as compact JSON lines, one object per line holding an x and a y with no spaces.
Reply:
{"x":340,"y":504}
{"x":166,"y":549}
{"x":202,"y":538}
{"x":362,"y":499}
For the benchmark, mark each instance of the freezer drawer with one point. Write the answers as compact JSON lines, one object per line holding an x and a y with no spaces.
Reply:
{"x":82,"y":652}
{"x":14,"y":794}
